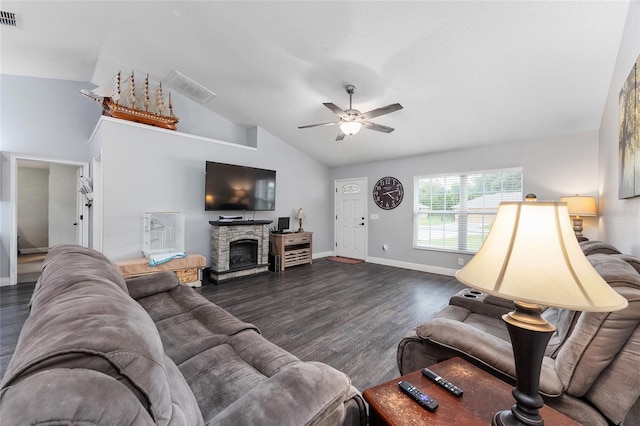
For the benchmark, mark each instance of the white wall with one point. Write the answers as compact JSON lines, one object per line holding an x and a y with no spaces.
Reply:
{"x":552,"y":167}
{"x":620,"y":219}
{"x":146,"y":169}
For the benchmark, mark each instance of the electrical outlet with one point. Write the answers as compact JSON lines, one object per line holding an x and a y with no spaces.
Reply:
{"x":460,"y":261}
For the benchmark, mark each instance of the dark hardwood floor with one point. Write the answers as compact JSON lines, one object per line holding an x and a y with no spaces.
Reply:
{"x":348,"y":316}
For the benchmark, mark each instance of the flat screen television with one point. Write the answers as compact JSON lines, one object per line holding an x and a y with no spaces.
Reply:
{"x":232,"y":187}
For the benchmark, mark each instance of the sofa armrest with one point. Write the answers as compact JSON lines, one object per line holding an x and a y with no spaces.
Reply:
{"x":306,"y":393}
{"x":71,"y":396}
{"x":147,"y":285}
{"x":489,"y":350}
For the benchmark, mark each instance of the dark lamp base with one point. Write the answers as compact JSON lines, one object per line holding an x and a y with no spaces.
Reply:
{"x":529,"y":334}
{"x":508,"y":418}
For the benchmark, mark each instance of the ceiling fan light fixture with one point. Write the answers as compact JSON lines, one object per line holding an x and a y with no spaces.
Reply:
{"x":350,"y":127}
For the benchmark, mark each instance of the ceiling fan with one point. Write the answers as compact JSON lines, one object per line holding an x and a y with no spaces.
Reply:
{"x":352,"y":120}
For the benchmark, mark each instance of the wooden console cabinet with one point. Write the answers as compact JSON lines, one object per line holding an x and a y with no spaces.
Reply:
{"x":293,"y":249}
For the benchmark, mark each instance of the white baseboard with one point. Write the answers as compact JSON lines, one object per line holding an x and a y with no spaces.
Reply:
{"x":399,"y":264}
{"x":5,"y":281}
{"x":35,"y":250}
{"x":322,"y":254}
{"x":413,"y":266}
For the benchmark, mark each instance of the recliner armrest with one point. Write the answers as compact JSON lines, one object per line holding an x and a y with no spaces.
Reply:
{"x":485,"y":348}
{"x":481,"y":303}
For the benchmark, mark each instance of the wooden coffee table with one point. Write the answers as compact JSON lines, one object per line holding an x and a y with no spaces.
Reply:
{"x":483,"y":396}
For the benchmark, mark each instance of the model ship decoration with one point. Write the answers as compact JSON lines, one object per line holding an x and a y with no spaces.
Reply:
{"x":122,"y":99}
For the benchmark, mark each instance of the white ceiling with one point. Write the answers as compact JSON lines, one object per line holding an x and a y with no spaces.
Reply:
{"x":467,"y":73}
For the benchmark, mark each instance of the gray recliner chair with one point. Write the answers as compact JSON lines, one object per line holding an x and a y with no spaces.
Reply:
{"x":591,"y":368}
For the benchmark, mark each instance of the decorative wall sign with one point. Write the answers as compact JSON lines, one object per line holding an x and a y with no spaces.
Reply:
{"x":388,"y":193}
{"x":629,"y":136}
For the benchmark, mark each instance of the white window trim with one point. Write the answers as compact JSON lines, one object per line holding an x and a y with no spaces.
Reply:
{"x":462,"y":245}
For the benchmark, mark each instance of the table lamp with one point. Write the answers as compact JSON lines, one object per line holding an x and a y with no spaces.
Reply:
{"x":532,"y":256}
{"x":300,"y":215}
{"x":578,"y":206}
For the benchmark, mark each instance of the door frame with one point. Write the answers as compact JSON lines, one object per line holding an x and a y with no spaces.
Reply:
{"x":13,"y":207}
{"x":365,"y":212}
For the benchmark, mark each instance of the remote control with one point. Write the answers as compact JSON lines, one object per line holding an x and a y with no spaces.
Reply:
{"x":421,"y":398}
{"x":442,"y":382}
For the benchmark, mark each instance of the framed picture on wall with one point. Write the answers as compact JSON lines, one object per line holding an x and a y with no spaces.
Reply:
{"x":629,"y":135}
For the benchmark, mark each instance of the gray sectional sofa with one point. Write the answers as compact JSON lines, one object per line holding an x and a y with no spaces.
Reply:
{"x":591,"y":369}
{"x":98,"y":350}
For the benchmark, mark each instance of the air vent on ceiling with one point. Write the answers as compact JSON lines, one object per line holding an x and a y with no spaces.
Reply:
{"x":190,"y":88}
{"x":8,"y":18}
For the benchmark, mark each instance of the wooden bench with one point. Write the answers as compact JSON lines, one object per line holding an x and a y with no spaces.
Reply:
{"x":188,"y":269}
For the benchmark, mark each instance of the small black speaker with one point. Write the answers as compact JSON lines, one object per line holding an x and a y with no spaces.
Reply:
{"x":274,"y":262}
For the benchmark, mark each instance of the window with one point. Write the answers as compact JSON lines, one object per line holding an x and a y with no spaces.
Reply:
{"x":455,"y":212}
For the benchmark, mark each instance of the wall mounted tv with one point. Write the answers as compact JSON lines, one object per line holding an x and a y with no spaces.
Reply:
{"x":233,"y":187}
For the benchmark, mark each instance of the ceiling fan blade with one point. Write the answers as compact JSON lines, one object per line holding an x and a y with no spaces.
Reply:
{"x":333,"y":123}
{"x":380,"y":111}
{"x":341,"y":135}
{"x":337,"y":111}
{"x":377,"y":127}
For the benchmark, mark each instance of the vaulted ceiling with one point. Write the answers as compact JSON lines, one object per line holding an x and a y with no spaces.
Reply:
{"x":467,"y":73}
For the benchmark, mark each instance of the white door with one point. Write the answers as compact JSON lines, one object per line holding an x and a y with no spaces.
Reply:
{"x":64,"y":216}
{"x":351,"y":211}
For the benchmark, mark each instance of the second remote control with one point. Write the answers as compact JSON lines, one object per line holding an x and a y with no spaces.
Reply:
{"x":442,"y":382}
{"x":421,"y":398}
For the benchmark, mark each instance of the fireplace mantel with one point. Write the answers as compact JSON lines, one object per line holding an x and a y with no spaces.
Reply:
{"x":238,"y":222}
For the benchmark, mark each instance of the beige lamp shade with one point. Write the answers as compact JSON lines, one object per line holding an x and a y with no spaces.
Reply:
{"x":531,"y":255}
{"x":579,"y":205}
{"x":300,"y":214}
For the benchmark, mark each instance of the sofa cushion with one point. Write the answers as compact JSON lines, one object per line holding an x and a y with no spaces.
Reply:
{"x":69,"y":257}
{"x":83,"y":317}
{"x":622,"y":373}
{"x":631,"y":260}
{"x":185,"y":410}
{"x":148,"y":285}
{"x":599,"y":336}
{"x":592,"y":247}
{"x":182,"y":309}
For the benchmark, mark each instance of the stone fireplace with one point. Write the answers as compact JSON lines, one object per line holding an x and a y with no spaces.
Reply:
{"x":238,"y":248}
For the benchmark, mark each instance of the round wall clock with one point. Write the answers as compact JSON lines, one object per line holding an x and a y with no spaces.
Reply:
{"x":388,"y":193}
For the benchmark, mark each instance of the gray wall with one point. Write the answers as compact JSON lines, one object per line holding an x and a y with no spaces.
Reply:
{"x":620,"y":219}
{"x":552,"y":167}
{"x":44,"y":118}
{"x":47,"y":118}
{"x":60,"y":124}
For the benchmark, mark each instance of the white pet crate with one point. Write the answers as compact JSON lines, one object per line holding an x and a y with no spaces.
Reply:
{"x":163,"y":232}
